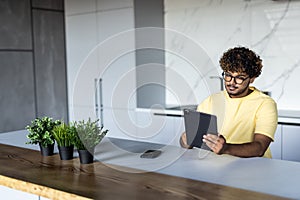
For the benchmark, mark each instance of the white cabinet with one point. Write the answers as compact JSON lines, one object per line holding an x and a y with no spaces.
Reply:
{"x":286,"y":143}
{"x":98,"y":49}
{"x":158,"y":128}
{"x":143,"y":125}
{"x":121,"y":123}
{"x":290,"y":142}
{"x":276,"y":146}
{"x":11,"y":194}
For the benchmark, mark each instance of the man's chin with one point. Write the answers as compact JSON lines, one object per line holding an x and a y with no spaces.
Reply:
{"x":232,"y":91}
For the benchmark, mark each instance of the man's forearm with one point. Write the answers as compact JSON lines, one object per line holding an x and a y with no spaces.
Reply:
{"x":251,"y":149}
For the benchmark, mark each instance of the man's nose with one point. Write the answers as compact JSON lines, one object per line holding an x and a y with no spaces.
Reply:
{"x":232,"y":81}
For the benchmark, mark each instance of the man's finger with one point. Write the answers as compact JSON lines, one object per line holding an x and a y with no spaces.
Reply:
{"x":206,"y":138}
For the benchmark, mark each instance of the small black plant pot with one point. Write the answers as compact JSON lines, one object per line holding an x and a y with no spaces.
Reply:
{"x":85,"y":157}
{"x":47,"y":151}
{"x":66,"y":153}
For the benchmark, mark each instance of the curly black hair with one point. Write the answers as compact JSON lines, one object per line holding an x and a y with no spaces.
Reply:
{"x":241,"y":60}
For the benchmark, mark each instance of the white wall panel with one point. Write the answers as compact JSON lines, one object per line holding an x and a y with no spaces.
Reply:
{"x":103,"y":5}
{"x":73,"y":7}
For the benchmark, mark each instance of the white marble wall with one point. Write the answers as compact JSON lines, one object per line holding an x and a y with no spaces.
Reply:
{"x":271,"y":28}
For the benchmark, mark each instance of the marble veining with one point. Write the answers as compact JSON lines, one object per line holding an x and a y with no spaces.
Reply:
{"x":270,"y":28}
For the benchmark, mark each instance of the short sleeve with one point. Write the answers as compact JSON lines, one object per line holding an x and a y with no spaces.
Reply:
{"x":205,"y":106}
{"x":267,"y":118}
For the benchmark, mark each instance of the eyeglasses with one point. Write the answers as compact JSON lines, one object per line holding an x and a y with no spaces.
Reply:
{"x":237,"y":79}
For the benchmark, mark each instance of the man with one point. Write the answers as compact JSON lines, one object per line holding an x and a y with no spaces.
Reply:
{"x":247,"y":118}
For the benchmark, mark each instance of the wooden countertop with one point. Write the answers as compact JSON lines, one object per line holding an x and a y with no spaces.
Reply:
{"x":26,"y":170}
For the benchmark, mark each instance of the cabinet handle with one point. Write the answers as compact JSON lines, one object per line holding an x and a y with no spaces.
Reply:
{"x":101,"y":100}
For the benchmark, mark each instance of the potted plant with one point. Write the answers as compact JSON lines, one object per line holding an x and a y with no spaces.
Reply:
{"x":40,"y":132}
{"x":64,"y":136}
{"x":88,"y":135}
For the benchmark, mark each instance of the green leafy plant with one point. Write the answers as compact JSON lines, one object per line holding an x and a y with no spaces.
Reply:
{"x":64,"y":135}
{"x":40,"y":131}
{"x":88,"y":134}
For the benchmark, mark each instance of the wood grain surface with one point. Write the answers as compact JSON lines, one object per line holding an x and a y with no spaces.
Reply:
{"x":27,"y":170}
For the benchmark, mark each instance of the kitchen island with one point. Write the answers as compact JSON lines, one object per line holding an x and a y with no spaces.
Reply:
{"x":26,"y":170}
{"x":120,"y":173}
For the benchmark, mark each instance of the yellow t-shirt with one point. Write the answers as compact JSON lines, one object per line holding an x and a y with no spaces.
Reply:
{"x":240,"y":118}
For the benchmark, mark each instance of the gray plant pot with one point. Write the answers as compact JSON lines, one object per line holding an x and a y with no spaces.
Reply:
{"x":66,"y":153}
{"x":47,"y":151}
{"x":85,"y":157}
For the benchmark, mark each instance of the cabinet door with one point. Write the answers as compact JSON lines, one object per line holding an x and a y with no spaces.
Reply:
{"x":9,"y":193}
{"x":154,"y":128}
{"x":290,"y":142}
{"x":121,"y":123}
{"x":276,"y":146}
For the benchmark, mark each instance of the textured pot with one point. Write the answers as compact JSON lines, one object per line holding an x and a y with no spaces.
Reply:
{"x":85,"y":157}
{"x":66,"y":153}
{"x":47,"y":151}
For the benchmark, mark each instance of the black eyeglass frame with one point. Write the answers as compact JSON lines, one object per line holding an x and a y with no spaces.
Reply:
{"x":237,"y":79}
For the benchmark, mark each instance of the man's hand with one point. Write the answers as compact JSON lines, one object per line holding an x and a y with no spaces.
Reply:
{"x":183,"y":141}
{"x":255,"y":148}
{"x":216,"y":143}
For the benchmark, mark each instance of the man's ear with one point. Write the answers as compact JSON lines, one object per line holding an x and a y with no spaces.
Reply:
{"x":252,"y":79}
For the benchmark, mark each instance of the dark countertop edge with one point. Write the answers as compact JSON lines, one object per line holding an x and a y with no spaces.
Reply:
{"x":279,"y":121}
{"x":289,"y":123}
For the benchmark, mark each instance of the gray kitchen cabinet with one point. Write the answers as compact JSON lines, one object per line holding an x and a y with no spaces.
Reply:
{"x":290,"y":142}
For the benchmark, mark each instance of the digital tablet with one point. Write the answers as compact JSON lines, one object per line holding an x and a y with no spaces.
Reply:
{"x":198,"y":124}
